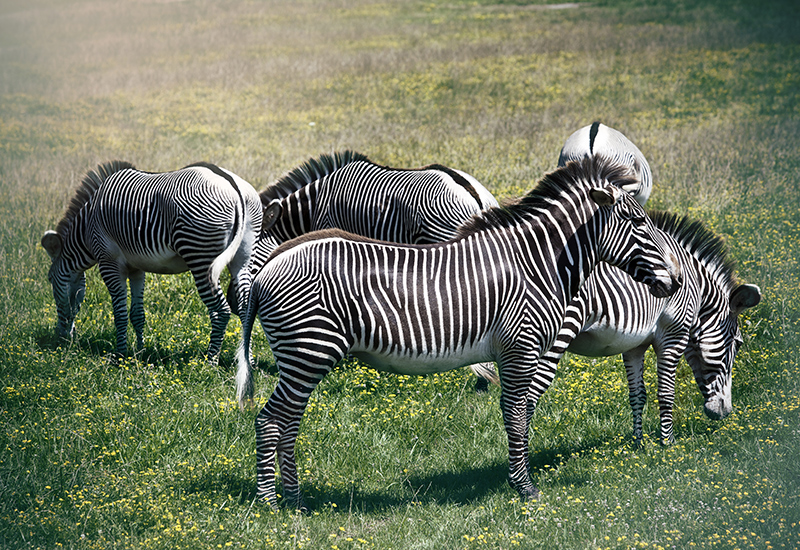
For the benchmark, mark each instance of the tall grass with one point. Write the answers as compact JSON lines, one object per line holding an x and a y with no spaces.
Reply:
{"x":153,"y":453}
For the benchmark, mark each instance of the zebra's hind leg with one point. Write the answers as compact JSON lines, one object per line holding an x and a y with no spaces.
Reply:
{"x":136,"y":279}
{"x":218,"y":310}
{"x":278,"y":422}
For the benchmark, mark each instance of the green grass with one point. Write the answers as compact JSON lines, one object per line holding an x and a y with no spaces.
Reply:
{"x":153,"y":453}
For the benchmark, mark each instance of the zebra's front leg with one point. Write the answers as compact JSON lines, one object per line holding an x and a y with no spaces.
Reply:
{"x":117,"y":285}
{"x":136,"y":279}
{"x":513,"y":402}
{"x":637,"y":393}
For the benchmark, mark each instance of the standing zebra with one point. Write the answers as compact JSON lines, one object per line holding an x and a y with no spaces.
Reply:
{"x":497,"y":292}
{"x":347,"y":191}
{"x":200,"y":218}
{"x":599,"y":139}
{"x":614,"y":314}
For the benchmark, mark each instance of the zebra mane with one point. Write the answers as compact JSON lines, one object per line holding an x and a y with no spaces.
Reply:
{"x":703,"y":244}
{"x":309,"y":172}
{"x":87,"y":188}
{"x":580,"y":172}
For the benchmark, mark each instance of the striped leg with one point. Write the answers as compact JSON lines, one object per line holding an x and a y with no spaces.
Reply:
{"x":278,"y":422}
{"x":137,"y":306}
{"x":667,"y":367}
{"x":218,"y":310}
{"x":637,"y":393}
{"x":117,"y":285}
{"x":515,"y":381}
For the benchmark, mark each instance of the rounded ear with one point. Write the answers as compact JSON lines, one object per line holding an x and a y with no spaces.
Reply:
{"x":272,"y":212}
{"x":744,"y":297}
{"x":604,"y":196}
{"x":52,"y":243}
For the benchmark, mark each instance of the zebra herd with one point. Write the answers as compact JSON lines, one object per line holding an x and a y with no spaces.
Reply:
{"x":416,"y":272}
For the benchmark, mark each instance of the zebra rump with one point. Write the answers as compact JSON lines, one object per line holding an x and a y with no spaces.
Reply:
{"x":599,"y":139}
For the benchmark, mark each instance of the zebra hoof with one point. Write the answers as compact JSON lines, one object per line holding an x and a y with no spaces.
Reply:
{"x":527,"y":492}
{"x":481,"y":385}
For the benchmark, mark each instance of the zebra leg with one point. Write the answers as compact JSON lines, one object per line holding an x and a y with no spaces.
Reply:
{"x":667,"y":367}
{"x":136,"y":279}
{"x":117,"y":285}
{"x":278,"y":422}
{"x":218,"y":310}
{"x":515,"y":381}
{"x":637,"y":393}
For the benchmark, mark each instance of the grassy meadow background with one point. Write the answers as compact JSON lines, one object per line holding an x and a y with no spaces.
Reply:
{"x":153,"y":453}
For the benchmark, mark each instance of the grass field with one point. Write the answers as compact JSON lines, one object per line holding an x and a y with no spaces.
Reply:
{"x":153,"y":453}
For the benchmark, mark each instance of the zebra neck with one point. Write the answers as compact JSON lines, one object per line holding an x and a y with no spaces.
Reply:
{"x":77,"y":242}
{"x":299,"y":212}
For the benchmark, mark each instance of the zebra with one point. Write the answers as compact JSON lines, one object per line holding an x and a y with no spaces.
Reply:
{"x":345,"y":190}
{"x":497,"y":291}
{"x":599,"y":139}
{"x":614,"y":314}
{"x":200,"y":218}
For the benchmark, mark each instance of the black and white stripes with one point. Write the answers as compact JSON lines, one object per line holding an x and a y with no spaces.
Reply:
{"x":200,"y":219}
{"x":614,"y":314}
{"x":497,"y":292}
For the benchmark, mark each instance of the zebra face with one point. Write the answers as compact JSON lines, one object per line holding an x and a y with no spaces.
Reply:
{"x":68,"y":291}
{"x":69,"y":286}
{"x":713,"y":345}
{"x":631,"y":242}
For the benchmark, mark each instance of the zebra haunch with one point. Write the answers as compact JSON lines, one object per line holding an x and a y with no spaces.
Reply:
{"x":599,"y":139}
{"x":614,"y":314}
{"x":497,"y":292}
{"x":198,"y":219}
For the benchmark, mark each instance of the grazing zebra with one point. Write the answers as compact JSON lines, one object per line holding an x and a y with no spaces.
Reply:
{"x":497,"y":292}
{"x":347,"y":191}
{"x":599,"y":139}
{"x":200,"y":218}
{"x":614,"y":314}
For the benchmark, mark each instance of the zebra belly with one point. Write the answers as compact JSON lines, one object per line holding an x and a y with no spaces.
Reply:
{"x":604,"y":340}
{"x":164,"y":261}
{"x":417,"y":364}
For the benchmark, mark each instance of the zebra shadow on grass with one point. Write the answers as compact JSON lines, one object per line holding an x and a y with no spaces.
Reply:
{"x":461,"y":487}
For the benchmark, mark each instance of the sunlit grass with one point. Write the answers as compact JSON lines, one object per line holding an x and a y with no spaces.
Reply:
{"x":153,"y":452}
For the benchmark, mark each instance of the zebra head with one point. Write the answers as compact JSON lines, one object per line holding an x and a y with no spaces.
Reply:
{"x":631,"y":242}
{"x":713,"y":346}
{"x":69,"y":285}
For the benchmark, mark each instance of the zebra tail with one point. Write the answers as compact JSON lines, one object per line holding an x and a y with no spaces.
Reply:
{"x":244,"y":372}
{"x":487,"y":371}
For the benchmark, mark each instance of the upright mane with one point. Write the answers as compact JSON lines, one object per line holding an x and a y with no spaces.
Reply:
{"x":707,"y":247}
{"x":309,"y":172}
{"x":595,"y":169}
{"x":87,"y":188}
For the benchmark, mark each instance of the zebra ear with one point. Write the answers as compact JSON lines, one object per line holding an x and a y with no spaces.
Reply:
{"x":604,"y":196}
{"x":272,"y":212}
{"x":52,"y":243}
{"x":744,"y":297}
